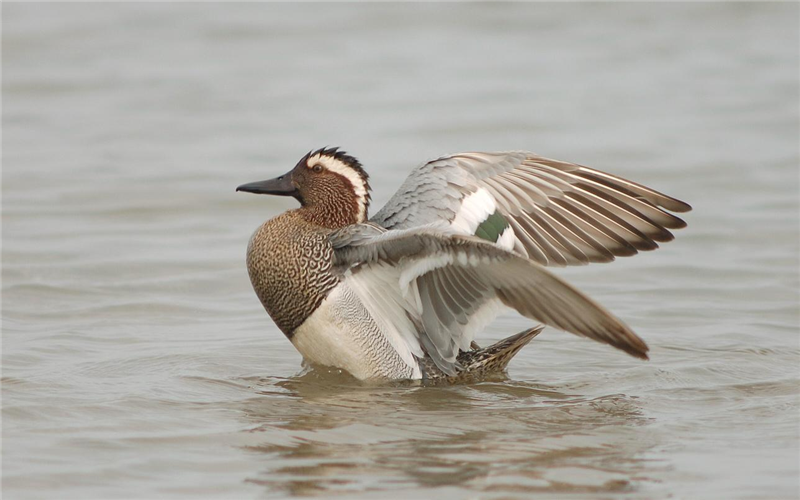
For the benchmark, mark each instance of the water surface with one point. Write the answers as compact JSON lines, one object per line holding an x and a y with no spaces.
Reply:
{"x":138,"y":363}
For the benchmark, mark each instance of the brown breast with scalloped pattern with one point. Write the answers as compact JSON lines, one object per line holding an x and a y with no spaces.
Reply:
{"x":290,"y":263}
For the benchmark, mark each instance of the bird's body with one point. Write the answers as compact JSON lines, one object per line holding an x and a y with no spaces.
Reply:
{"x":402,"y":296}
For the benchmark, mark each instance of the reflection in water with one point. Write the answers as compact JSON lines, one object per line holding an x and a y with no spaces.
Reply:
{"x":327,"y":434}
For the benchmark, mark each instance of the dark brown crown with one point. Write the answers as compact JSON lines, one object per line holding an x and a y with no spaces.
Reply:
{"x":342,"y":156}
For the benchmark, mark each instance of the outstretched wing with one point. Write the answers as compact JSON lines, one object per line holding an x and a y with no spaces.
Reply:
{"x":449,"y":285}
{"x":554,"y":212}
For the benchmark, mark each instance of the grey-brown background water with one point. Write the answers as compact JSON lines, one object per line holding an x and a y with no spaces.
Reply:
{"x":138,"y":363}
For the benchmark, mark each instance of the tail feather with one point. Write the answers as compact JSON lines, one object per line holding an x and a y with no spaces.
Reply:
{"x":487,"y":360}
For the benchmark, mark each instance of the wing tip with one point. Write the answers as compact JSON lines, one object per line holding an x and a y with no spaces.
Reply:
{"x":677,"y":205}
{"x":635,"y":346}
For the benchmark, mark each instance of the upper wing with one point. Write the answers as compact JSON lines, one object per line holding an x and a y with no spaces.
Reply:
{"x":554,"y":212}
{"x":448,"y":285}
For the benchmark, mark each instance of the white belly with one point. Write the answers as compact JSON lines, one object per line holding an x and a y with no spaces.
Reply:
{"x":340,"y":333}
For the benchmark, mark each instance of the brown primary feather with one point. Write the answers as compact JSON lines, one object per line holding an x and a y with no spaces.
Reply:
{"x":561,"y":213}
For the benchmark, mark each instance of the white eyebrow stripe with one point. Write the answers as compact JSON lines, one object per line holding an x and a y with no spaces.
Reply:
{"x":341,"y":168}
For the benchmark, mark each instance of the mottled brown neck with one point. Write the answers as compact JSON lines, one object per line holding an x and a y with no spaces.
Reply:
{"x":330,"y":217}
{"x":333,"y":206}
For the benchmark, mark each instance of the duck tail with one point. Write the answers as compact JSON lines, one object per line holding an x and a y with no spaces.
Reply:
{"x":495,"y":358}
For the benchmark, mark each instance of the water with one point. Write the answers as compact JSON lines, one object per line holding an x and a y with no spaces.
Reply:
{"x":138,"y":363}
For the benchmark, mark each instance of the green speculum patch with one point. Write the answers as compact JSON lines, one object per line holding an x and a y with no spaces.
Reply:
{"x":492,"y":227}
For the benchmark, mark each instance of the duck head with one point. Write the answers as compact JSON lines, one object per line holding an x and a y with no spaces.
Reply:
{"x":331,"y":186}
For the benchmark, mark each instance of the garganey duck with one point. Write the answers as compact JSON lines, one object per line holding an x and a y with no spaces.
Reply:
{"x":403,"y":294}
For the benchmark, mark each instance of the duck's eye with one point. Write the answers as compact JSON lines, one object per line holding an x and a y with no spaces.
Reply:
{"x":317,"y":168}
